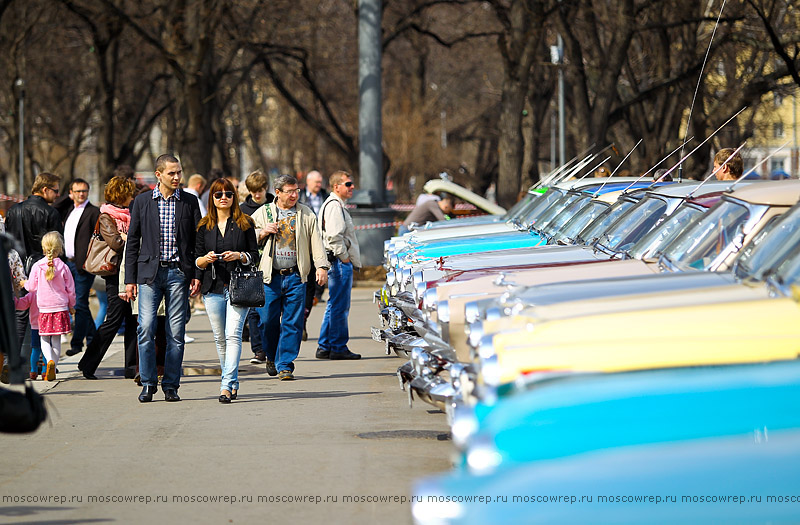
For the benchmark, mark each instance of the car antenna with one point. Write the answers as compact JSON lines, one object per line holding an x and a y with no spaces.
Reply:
{"x":584,"y":163}
{"x":643,"y":175}
{"x":699,"y":145}
{"x":617,"y":168}
{"x":751,"y":170}
{"x":691,"y":193}
{"x":553,"y":173}
{"x":591,"y":170}
{"x":697,"y":87}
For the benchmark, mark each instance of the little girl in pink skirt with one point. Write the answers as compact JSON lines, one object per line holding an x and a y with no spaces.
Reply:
{"x":52,"y":281}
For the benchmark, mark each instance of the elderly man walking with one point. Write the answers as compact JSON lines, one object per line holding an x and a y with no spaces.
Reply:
{"x":341,"y":244}
{"x":291,"y":239}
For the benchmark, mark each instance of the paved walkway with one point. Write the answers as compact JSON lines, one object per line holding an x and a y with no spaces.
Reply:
{"x":339,"y":445}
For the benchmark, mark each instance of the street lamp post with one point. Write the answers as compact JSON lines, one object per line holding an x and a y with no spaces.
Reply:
{"x":19,"y":84}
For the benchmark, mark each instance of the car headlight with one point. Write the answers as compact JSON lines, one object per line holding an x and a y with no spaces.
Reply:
{"x":443,"y":312}
{"x":490,"y":371}
{"x":475,"y":335}
{"x":465,"y":425}
{"x":494,"y":313}
{"x":429,"y":300}
{"x":483,"y":457}
{"x":472,"y":311}
{"x":405,"y":278}
{"x":486,"y":347}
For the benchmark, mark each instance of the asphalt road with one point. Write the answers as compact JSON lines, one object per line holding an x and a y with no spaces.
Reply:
{"x":338,"y":445}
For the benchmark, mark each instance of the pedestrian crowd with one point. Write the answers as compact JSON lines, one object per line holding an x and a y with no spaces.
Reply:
{"x":253,"y":261}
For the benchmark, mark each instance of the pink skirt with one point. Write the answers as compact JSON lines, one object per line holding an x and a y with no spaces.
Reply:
{"x":54,"y":323}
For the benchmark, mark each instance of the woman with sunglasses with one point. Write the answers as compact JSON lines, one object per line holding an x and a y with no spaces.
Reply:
{"x":226,"y":237}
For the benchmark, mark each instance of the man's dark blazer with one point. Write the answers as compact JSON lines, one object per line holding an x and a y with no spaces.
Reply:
{"x":83,"y":232}
{"x":142,"y":247}
{"x":303,"y":198}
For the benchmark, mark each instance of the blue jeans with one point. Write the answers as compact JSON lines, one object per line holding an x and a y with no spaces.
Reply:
{"x":102,"y":309}
{"x":84,"y":324}
{"x":173,"y":286}
{"x":282,"y":319}
{"x":227,"y":322}
{"x":334,"y":333}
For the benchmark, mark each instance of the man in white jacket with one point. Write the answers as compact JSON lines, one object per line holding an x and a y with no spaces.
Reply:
{"x":341,"y":245}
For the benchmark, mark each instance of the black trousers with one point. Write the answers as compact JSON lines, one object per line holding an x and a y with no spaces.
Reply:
{"x":118,"y":311}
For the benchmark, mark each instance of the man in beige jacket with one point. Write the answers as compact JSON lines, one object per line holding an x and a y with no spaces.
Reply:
{"x":290,"y":236}
{"x":341,"y":245}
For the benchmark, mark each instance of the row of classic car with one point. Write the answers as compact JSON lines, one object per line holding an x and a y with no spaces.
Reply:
{"x":604,"y":323}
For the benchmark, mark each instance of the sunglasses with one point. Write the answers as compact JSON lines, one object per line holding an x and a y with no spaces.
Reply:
{"x":348,"y":183}
{"x":227,"y":194}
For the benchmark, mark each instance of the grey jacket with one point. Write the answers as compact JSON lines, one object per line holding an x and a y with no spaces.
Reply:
{"x":338,"y":230}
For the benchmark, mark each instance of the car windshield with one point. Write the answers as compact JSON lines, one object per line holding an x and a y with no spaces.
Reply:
{"x":540,"y":206}
{"x":663,"y":234}
{"x":698,"y":246}
{"x":556,"y":224}
{"x":544,"y":219}
{"x":788,"y":272}
{"x":628,"y":228}
{"x":596,"y":228}
{"x":587,"y":214}
{"x":770,"y":246}
{"x":520,"y":209}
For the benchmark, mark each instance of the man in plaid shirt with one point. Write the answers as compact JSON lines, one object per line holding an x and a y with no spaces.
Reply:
{"x":159,"y":263}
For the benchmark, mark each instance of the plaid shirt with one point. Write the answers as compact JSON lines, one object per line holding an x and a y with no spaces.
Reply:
{"x":167,"y":242}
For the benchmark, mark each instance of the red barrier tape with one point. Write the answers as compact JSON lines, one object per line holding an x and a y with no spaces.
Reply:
{"x":10,"y":198}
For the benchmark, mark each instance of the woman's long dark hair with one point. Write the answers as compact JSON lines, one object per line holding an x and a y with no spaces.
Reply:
{"x":210,"y":221}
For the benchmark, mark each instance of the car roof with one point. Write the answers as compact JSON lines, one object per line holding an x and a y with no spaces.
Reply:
{"x":774,"y":193}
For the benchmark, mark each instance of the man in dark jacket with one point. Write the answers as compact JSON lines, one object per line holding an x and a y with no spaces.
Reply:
{"x":160,"y":263}
{"x":79,"y":222}
{"x":29,"y":220}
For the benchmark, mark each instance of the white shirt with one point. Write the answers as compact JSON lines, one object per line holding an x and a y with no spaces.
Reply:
{"x":70,"y":227}
{"x":203,"y":210}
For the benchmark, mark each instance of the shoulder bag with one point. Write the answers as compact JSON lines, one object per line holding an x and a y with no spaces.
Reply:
{"x":247,"y":287}
{"x":100,"y":258}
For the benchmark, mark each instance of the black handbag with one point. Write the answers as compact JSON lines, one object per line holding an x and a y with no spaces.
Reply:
{"x":247,"y":287}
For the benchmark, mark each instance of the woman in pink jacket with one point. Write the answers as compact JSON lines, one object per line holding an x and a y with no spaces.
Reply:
{"x":52,"y":281}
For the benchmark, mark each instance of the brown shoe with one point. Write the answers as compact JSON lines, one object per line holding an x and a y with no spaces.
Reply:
{"x":51,"y":371}
{"x":33,"y":375}
{"x":285,"y":375}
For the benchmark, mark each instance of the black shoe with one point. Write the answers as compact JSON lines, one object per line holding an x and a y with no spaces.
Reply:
{"x":74,"y":351}
{"x":305,"y":335}
{"x":171,"y":395}
{"x":87,"y":375}
{"x":224,"y":399}
{"x":147,"y":394}
{"x":346,"y":355}
{"x":259,"y":358}
{"x":323,"y":354}
{"x":271,"y":370}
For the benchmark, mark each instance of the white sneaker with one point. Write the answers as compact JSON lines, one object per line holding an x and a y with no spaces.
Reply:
{"x":187,"y":339}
